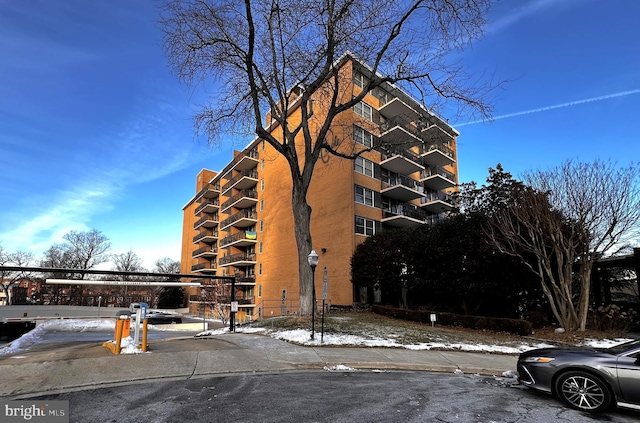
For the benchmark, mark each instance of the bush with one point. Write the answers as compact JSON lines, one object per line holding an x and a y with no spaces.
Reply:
{"x":517,"y":326}
{"x":612,"y":318}
{"x":538,"y":319}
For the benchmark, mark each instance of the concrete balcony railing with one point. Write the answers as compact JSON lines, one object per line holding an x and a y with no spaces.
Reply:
{"x":251,"y":195}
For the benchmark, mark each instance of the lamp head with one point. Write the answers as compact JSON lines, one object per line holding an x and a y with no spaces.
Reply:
{"x":313,"y":258}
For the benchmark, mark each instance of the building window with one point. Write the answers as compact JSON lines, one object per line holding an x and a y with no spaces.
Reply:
{"x":262,"y":184}
{"x":364,"y":195}
{"x":262,"y":204}
{"x":364,"y":110}
{"x":365,"y":226}
{"x":362,"y":137}
{"x":364,"y":166}
{"x":359,"y":80}
{"x":260,"y":291}
{"x":381,"y":95}
{"x":260,"y":247}
{"x":259,"y":268}
{"x":263,"y":142}
{"x":262,"y":164}
{"x":261,"y":226}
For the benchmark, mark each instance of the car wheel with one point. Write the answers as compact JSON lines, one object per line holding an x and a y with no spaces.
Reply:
{"x":583,"y":391}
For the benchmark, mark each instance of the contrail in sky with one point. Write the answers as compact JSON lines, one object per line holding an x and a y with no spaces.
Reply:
{"x":557,"y":106}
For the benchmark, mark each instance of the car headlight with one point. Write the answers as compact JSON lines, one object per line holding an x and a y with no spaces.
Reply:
{"x":537,"y":359}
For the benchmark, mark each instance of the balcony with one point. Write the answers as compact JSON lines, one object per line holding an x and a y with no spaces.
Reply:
{"x":240,"y":259}
{"x":401,"y":188}
{"x":241,"y":239}
{"x":437,"y":178}
{"x":209,"y":206}
{"x":397,"y":107}
{"x":437,"y":202}
{"x":242,"y":280}
{"x":432,"y":133}
{"x":398,"y":131}
{"x":245,"y":161}
{"x":437,"y":155}
{"x":242,"y":301}
{"x":206,"y":252}
{"x":401,"y":161}
{"x":207,"y":221}
{"x":242,"y":200}
{"x":207,"y":267}
{"x":242,"y":219}
{"x":211,"y":190}
{"x":243,"y":180}
{"x":403,"y":215}
{"x":206,"y":236}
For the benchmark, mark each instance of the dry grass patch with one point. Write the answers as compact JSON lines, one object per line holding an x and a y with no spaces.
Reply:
{"x":373,"y":326}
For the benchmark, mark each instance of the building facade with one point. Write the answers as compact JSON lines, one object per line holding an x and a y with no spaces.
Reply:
{"x":240,"y":221}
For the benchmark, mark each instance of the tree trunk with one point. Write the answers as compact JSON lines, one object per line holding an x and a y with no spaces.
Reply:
{"x":583,"y":306}
{"x":302,"y":230}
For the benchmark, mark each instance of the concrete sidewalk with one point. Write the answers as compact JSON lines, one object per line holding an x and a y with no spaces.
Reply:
{"x":54,"y":368}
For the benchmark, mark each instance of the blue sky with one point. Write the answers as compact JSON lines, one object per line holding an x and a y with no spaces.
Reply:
{"x":96,"y":133}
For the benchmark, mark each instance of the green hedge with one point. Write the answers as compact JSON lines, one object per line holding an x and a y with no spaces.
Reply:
{"x":517,"y":326}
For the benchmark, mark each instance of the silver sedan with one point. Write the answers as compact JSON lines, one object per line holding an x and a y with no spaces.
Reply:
{"x":586,"y":379}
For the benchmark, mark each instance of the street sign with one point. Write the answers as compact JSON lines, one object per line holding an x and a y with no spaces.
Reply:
{"x":234,"y":306}
{"x":325,"y":284}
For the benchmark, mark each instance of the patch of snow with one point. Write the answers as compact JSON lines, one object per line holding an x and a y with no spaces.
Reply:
{"x":339,"y":368}
{"x":605,"y":343}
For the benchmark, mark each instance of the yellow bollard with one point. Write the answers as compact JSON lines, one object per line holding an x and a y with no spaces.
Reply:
{"x":119,"y":327}
{"x":126,"y":328}
{"x":144,"y":335}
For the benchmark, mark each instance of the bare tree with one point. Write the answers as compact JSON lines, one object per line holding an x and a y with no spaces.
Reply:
{"x":569,"y":215}
{"x":86,"y":249}
{"x":281,"y":56}
{"x":127,"y":262}
{"x":82,"y":251}
{"x":9,"y":279}
{"x":58,"y":258}
{"x":167,"y":265}
{"x":602,"y":201}
{"x":164,"y":265}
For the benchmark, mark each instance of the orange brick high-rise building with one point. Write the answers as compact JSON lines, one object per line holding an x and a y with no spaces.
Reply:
{"x":240,"y":222}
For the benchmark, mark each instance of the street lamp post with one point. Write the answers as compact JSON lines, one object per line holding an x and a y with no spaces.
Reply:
{"x":313,"y":262}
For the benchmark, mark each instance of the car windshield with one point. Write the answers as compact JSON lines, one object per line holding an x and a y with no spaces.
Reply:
{"x":622,"y":348}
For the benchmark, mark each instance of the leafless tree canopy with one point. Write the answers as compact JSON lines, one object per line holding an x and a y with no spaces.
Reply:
{"x":167,"y":265}
{"x":257,"y":52}
{"x":127,"y":262}
{"x":86,"y":250}
{"x":569,"y":216}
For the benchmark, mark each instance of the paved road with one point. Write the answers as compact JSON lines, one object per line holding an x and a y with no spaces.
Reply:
{"x":327,"y":396}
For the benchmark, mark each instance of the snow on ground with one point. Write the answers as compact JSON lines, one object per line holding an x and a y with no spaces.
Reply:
{"x":303,"y":337}
{"x":59,"y":325}
{"x":298,"y":336}
{"x":71,"y":325}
